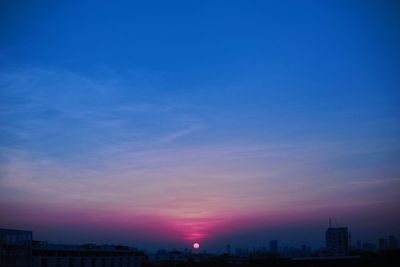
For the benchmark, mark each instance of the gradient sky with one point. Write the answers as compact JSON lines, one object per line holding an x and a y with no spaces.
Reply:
{"x":161,"y":123}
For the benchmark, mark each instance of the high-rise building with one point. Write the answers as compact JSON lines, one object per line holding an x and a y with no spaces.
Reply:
{"x":337,"y":241}
{"x":382,"y":242}
{"x":273,"y":246}
{"x":393,"y":242}
{"x":359,"y":245}
{"x":228,"y":249}
{"x":15,"y":248}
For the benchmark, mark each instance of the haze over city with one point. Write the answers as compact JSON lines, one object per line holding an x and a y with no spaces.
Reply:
{"x":165,"y":123}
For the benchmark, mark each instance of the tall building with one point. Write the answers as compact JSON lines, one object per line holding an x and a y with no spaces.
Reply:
{"x":393,"y":242}
{"x":15,"y":248}
{"x":228,"y":249}
{"x":273,"y":246}
{"x":359,"y":245}
{"x":337,"y":241}
{"x":382,"y":242}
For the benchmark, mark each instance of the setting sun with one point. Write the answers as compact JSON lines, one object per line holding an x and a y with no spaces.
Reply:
{"x":196,"y":246}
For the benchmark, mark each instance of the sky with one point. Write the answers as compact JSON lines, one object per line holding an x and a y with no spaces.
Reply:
{"x":164,"y":123}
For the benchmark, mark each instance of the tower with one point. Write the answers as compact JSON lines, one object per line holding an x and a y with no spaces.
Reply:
{"x":337,"y":240}
{"x":273,"y":246}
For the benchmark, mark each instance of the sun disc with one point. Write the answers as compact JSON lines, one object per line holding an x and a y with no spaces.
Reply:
{"x":196,"y":245}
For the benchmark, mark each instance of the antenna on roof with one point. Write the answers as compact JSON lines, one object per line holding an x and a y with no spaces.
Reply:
{"x":330,"y":222}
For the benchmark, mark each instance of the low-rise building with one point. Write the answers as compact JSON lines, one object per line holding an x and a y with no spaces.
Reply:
{"x":89,"y":255}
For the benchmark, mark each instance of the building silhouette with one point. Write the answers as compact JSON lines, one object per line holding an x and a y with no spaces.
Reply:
{"x":89,"y":255}
{"x":273,"y":246}
{"x":228,"y":249}
{"x":382,"y":244}
{"x":337,"y":241}
{"x":367,"y":246}
{"x":15,"y":248}
{"x":393,"y":242}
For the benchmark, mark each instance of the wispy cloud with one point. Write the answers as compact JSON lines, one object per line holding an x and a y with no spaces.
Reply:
{"x":99,"y":144}
{"x":376,"y":181}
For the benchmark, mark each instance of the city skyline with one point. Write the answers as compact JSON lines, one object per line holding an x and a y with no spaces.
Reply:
{"x":18,"y":248}
{"x":338,"y":243}
{"x":166,"y":123}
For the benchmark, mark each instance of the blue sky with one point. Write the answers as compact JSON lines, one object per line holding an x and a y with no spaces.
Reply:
{"x":225,"y":105}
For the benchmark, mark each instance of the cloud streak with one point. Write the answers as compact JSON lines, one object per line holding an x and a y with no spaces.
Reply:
{"x":101,"y":147}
